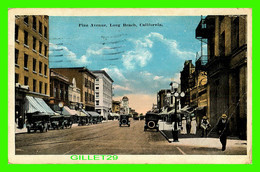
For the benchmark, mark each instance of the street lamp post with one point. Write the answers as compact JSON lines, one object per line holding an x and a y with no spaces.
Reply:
{"x":175,"y":124}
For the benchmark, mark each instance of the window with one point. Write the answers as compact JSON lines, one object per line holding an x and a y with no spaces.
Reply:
{"x":16,"y":78}
{"x":86,"y":82}
{"x":34,"y":85}
{"x":40,"y":67}
{"x":97,"y":102}
{"x":45,"y":50}
{"x":97,"y":88}
{"x":25,"y":80}
{"x":40,"y":47}
{"x":222,"y":44}
{"x":16,"y":56}
{"x":45,"y":69}
{"x":34,"y":64}
{"x":97,"y":95}
{"x":16,"y":32}
{"x":45,"y":88}
{"x":25,"y":38}
{"x":45,"y":32}
{"x":97,"y":79}
{"x":40,"y":87}
{"x":40,"y":27}
{"x":61,"y":91}
{"x":34,"y":43}
{"x":235,"y":34}
{"x":34,"y":22}
{"x":25,"y":60}
{"x":25,"y":19}
{"x":86,"y":96}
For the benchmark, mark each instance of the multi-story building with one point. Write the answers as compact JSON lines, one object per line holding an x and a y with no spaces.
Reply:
{"x":162,"y":99}
{"x":116,"y":106}
{"x":187,"y":82}
{"x":103,"y":93}
{"x":74,"y":95}
{"x":31,"y":59}
{"x":125,"y":105}
{"x":226,"y":38}
{"x":85,"y":81}
{"x":59,"y":88}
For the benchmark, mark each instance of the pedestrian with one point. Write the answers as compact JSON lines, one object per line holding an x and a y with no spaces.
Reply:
{"x":193,"y":126}
{"x":223,"y":130}
{"x":205,"y":126}
{"x":188,"y":124}
{"x":183,"y":128}
{"x":175,"y":128}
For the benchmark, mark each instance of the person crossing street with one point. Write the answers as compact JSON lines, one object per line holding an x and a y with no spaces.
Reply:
{"x":223,"y":130}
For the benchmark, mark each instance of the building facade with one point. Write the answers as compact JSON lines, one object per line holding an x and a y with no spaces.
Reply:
{"x":116,"y":106}
{"x":85,"y":81}
{"x":162,"y":99}
{"x":103,"y":93}
{"x":227,"y":69}
{"x":187,"y":82}
{"x":125,"y":105}
{"x":59,"y":88}
{"x":74,"y":95}
{"x":31,"y":59}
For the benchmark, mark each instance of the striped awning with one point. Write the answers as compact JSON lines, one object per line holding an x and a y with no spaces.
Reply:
{"x":32,"y":106}
{"x":93,"y":113}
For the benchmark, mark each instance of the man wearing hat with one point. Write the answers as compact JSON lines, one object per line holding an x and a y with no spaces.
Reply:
{"x":204,"y":125}
{"x":223,"y":130}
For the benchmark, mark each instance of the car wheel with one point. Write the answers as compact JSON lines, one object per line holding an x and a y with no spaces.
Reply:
{"x":28,"y":130}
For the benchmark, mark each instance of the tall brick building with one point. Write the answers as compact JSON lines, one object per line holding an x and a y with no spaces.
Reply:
{"x":226,"y":38}
{"x":31,"y":59}
{"x":85,"y":81}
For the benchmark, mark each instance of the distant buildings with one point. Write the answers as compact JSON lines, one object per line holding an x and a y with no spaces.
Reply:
{"x":226,"y":38}
{"x":103,"y":93}
{"x":116,"y":106}
{"x":31,"y":60}
{"x":125,"y":105}
{"x":74,"y":95}
{"x":162,"y":100}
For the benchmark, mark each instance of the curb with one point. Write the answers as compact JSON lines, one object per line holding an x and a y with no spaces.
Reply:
{"x":164,"y":135}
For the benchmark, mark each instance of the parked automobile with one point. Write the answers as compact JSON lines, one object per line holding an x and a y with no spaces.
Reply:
{"x":56,"y":122}
{"x":68,"y":121}
{"x":37,"y":121}
{"x":124,"y":120}
{"x":82,"y":120}
{"x":151,"y":121}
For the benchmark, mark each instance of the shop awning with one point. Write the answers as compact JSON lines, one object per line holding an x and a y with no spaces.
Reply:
{"x":114,"y":114}
{"x":44,"y":106}
{"x":84,"y":112}
{"x":93,"y":113}
{"x":68,"y":111}
{"x":32,"y":106}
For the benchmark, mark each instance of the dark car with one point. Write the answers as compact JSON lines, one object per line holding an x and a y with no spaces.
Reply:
{"x":37,"y":121}
{"x":68,"y":121}
{"x":151,"y":121}
{"x":56,"y":122}
{"x":124,"y":120}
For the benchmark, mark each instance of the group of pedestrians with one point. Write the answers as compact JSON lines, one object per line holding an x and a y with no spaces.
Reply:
{"x":189,"y":126}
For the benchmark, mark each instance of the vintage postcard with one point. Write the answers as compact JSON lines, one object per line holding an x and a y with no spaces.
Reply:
{"x":130,"y":86}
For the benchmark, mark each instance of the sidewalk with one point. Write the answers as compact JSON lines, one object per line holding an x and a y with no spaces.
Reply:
{"x":197,"y":141}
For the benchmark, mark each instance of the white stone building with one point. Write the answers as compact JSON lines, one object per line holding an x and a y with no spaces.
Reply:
{"x":125,"y":104}
{"x":74,"y":95}
{"x":103,"y":93}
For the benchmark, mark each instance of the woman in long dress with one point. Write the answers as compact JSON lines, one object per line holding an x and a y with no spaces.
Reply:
{"x":183,"y":130}
{"x":193,"y":126}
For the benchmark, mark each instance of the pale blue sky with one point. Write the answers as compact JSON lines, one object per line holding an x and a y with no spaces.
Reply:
{"x":140,"y":60}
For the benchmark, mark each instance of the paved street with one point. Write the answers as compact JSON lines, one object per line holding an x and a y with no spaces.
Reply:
{"x":109,"y":138}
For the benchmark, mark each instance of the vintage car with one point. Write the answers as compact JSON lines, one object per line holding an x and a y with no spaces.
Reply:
{"x":68,"y":121}
{"x":124,"y":120}
{"x":151,"y":121}
{"x":37,"y":121}
{"x":56,"y":122}
{"x":82,"y":120}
